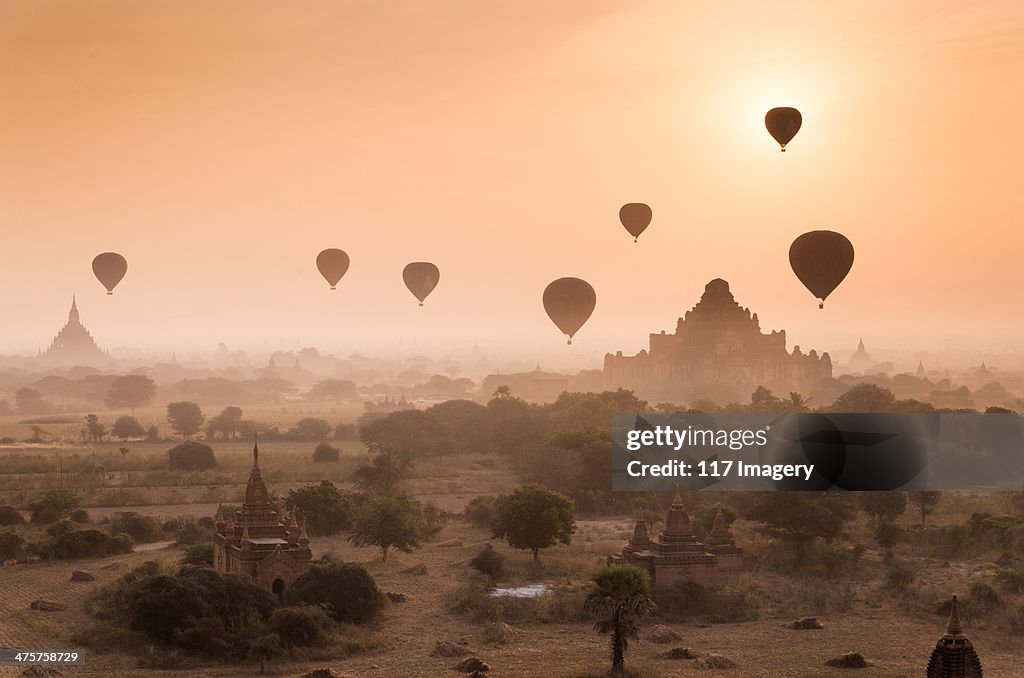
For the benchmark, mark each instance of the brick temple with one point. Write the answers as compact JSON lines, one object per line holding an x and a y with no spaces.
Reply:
{"x":954,"y":655}
{"x":677,"y":554}
{"x":258,"y":541}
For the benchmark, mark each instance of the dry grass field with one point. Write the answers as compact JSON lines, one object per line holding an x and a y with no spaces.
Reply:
{"x":549,"y":636}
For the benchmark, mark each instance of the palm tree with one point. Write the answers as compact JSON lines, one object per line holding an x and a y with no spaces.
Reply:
{"x":799,"y":402}
{"x":621,"y":598}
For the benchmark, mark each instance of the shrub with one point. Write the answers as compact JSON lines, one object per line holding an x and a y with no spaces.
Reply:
{"x":302,"y":626}
{"x":899,"y":577}
{"x":81,"y":516}
{"x":53,"y":505}
{"x":10,"y":545}
{"x":480,"y":512}
{"x":89,"y":544}
{"x":1012,"y":579}
{"x":347,"y":588}
{"x":323,"y":453}
{"x":325,"y":508}
{"x":191,"y":456}
{"x":488,"y":562}
{"x":142,"y":529}
{"x":10,"y":516}
{"x":198,"y":555}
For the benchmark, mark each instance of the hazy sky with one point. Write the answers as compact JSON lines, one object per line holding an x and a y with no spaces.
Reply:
{"x":219,"y":145}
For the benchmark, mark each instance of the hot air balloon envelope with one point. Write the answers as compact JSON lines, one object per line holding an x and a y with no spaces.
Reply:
{"x":333,"y":263}
{"x":109,"y":268}
{"x":635,"y":217}
{"x":421,"y":277}
{"x":821,"y":260}
{"x":783,"y":124}
{"x":569,"y":303}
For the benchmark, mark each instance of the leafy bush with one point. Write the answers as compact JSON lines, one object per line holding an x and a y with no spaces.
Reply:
{"x":302,"y":626}
{"x":53,"y":505}
{"x":480,"y":512}
{"x":1012,"y":579}
{"x":89,"y":544}
{"x":10,"y":516}
{"x":347,"y":588}
{"x":899,"y":577}
{"x":488,"y":562}
{"x":325,"y":453}
{"x":10,"y":545}
{"x":191,"y":456}
{"x":325,"y":508}
{"x":143,"y":529}
{"x":198,"y":555}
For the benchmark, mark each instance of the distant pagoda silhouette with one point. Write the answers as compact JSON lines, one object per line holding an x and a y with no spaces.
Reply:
{"x":954,"y":655}
{"x":73,"y":345}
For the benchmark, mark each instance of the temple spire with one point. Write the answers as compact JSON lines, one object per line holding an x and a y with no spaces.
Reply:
{"x":73,"y":318}
{"x":256,"y":450}
{"x":954,"y":628}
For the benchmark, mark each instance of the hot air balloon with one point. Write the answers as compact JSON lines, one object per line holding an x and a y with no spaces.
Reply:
{"x":333,"y":263}
{"x":569,"y":303}
{"x":635,"y":217}
{"x":109,"y":268}
{"x":783,"y":124}
{"x":421,"y":278}
{"x":821,"y":259}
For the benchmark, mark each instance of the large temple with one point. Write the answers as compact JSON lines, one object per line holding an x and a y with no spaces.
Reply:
{"x":717,"y":351}
{"x":73,"y":345}
{"x":677,"y":554}
{"x":259,"y":541}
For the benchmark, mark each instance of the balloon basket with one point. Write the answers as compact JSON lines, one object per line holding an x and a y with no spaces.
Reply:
{"x":568,"y":342}
{"x":821,"y":305}
{"x":333,"y":287}
{"x":109,"y":294}
{"x":421,"y":304}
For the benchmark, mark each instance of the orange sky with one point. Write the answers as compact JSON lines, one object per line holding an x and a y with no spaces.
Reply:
{"x":220,"y":145}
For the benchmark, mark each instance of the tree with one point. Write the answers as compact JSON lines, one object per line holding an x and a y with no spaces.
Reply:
{"x":191,"y":456}
{"x":326,"y":452}
{"x":127,"y":427}
{"x":10,"y":545}
{"x":866,"y":398}
{"x":324,"y":507}
{"x":410,"y":433}
{"x":534,"y":517}
{"x":883,"y":506}
{"x":926,"y":502}
{"x":53,"y":505}
{"x":185,"y":418}
{"x":11,"y":516}
{"x":382,"y":473}
{"x":131,"y":390}
{"x":333,"y":389}
{"x":94,"y":430}
{"x":763,"y":400}
{"x":29,"y":401}
{"x":226,"y":423}
{"x":310,"y":428}
{"x":347,"y":588}
{"x":888,"y":534}
{"x":389,"y":520}
{"x":620,"y":599}
{"x":800,"y":518}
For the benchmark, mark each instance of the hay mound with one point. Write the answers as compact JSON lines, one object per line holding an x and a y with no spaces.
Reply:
{"x":472,"y":665}
{"x":680,"y":653}
{"x":450,"y":543}
{"x":500,"y":633}
{"x":418,"y":570}
{"x":324,"y":673}
{"x":445,"y":648}
{"x":850,"y":660}
{"x":804,"y":624}
{"x":82,"y":575}
{"x":397,"y":597}
{"x":47,"y":606}
{"x":662,"y":634}
{"x":41,"y":672}
{"x":716,"y":661}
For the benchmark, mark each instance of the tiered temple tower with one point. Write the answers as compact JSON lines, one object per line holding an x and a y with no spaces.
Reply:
{"x":678,"y":554}
{"x":73,"y":345}
{"x":719,"y":351}
{"x":954,"y":655}
{"x":258,"y":542}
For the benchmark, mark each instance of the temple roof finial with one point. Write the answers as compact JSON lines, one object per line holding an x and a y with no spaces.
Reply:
{"x":255,"y":450}
{"x":954,"y":628}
